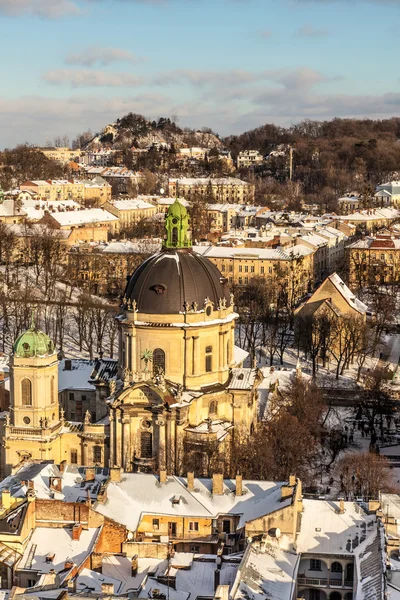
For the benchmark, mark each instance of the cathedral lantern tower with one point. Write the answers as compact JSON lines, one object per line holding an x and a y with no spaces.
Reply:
{"x":34,"y":381}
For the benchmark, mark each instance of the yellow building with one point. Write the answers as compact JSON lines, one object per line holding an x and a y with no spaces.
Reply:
{"x":224,"y":189}
{"x":373,"y":260}
{"x":242,"y":265}
{"x":35,"y":427}
{"x":62,"y":155}
{"x":130,"y":211}
{"x":181,"y":390}
{"x":90,"y":192}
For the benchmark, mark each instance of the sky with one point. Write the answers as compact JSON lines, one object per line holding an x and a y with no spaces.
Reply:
{"x":232,"y":65}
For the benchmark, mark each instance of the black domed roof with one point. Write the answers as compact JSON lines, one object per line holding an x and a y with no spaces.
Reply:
{"x":171,"y":278}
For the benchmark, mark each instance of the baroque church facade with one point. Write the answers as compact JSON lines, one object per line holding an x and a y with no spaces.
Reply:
{"x":180,"y":392}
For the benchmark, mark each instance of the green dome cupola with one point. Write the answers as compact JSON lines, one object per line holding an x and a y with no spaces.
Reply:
{"x":177,"y":227}
{"x":32,"y":343}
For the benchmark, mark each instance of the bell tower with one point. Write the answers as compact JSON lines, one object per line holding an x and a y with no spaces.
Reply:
{"x":34,"y":381}
{"x":177,"y":227}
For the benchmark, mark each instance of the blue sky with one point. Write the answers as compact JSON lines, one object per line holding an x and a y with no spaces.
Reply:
{"x":69,"y":65}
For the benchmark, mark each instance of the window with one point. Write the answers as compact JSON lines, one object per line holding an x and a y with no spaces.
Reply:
{"x":223,"y":268}
{"x":208,"y":359}
{"x":71,"y":396}
{"x":174,"y":236}
{"x":246,"y":269}
{"x":97,"y":454}
{"x":213,"y":407}
{"x":156,"y":524}
{"x":262,"y":270}
{"x":252,"y":269}
{"x":26,"y":392}
{"x":158,"y":360}
{"x":246,"y":280}
{"x":270,"y":270}
{"x":195,"y":549}
{"x":146,"y":444}
{"x":230,"y":268}
{"x":83,"y":398}
{"x":74,"y":457}
{"x":315,"y":564}
{"x":193,"y":526}
{"x":382,"y":257}
{"x":240,"y":268}
{"x":336,"y":567}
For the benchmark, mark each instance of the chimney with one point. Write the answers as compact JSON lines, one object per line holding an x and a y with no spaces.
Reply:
{"x":286,"y":492}
{"x":107,"y":588}
{"x":217,"y":484}
{"x":292,"y":480}
{"x":217,"y":578}
{"x":6,"y":499}
{"x":67,"y":364}
{"x":190,"y":481}
{"x":69,"y":563}
{"x":115,"y":474}
{"x":163,"y":476}
{"x":341,"y":507}
{"x":90,"y":473}
{"x":239,"y":485}
{"x":135,"y":564}
{"x":71,"y":585}
{"x":76,"y":531}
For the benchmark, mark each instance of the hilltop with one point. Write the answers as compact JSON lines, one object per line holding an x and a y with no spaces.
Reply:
{"x":135,"y":130}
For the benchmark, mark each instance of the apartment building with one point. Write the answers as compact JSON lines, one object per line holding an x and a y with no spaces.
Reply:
{"x":95,"y":192}
{"x":249,"y":158}
{"x":62,"y":155}
{"x":373,"y":260}
{"x":241,"y":266}
{"x":388,"y":194}
{"x":130,"y":211}
{"x":223,"y":189}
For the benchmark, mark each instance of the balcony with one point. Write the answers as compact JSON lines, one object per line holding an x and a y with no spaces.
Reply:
{"x":328,"y":582}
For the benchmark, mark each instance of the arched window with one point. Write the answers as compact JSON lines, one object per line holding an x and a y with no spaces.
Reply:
{"x":158,"y":360}
{"x":175,"y":236}
{"x":208,"y":359}
{"x":336,"y":567}
{"x":26,"y":392}
{"x":52,"y":394}
{"x":146,"y":444}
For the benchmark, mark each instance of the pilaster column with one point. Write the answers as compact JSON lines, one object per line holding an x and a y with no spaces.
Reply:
{"x":195,"y":355}
{"x":221,"y":350}
{"x":118,"y":438}
{"x":85,"y":454}
{"x":188,"y":357}
{"x":126,"y":442}
{"x":162,"y":449}
{"x":112,"y":439}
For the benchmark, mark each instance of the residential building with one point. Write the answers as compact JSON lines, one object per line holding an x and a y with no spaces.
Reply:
{"x":249,"y":158}
{"x":241,"y":266}
{"x":62,"y":155}
{"x":123,"y":181}
{"x":373,"y":260}
{"x":130,"y":211}
{"x":94,"y":223}
{"x":388,"y":194}
{"x":103,"y":268}
{"x":56,"y":189}
{"x":371,"y":220}
{"x":225,"y":189}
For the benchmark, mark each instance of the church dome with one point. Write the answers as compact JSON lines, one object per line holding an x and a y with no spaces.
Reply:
{"x":33,"y":342}
{"x":171,"y":280}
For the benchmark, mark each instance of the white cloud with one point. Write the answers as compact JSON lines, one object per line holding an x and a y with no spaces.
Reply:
{"x":91,"y":78}
{"x":97,"y":55}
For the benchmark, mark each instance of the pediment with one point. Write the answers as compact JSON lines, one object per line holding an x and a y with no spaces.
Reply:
{"x":141,"y":394}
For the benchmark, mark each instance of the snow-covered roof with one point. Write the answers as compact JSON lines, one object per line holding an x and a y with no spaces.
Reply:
{"x":324,"y":530}
{"x":370,"y":562}
{"x":239,"y":355}
{"x":242,"y":379}
{"x":207,"y":180}
{"x":132,"y":204}
{"x":57,"y":541}
{"x":138,"y":494}
{"x":83,"y":217}
{"x":118,"y":567}
{"x":252,"y":253}
{"x":347,"y":294}
{"x":267,"y":572}
{"x":77,"y":376}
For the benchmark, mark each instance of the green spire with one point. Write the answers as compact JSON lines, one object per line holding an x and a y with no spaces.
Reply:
{"x":177,"y":227}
